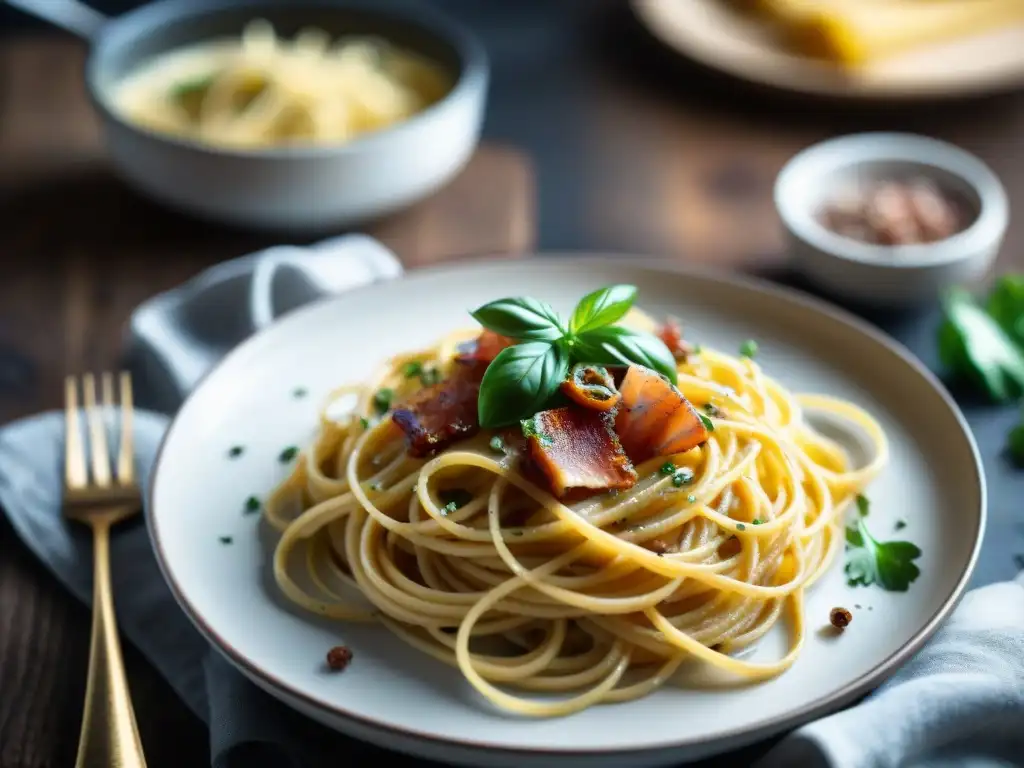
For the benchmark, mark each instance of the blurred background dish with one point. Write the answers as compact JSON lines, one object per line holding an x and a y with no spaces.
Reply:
{"x":291,"y":168}
{"x":850,"y":49}
{"x":891,"y":219}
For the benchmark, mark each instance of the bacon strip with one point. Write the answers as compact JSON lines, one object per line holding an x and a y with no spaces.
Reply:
{"x":435,"y":417}
{"x":671,"y":333}
{"x":577,"y":448}
{"x":654,"y":418}
{"x":483,"y":349}
{"x":592,"y":387}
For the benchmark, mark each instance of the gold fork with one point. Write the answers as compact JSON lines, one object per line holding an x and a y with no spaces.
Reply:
{"x":109,"y":734}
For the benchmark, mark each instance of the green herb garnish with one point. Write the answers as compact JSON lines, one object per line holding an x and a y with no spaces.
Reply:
{"x":299,"y":392}
{"x":900,"y":525}
{"x":975,"y":346}
{"x":456,"y":498}
{"x":235,"y":451}
{"x":691,"y":498}
{"x":252,"y":504}
{"x":889,"y":564}
{"x":709,"y":425}
{"x":668,"y":468}
{"x":524,"y":378}
{"x":1015,"y":443}
{"x":226,"y":539}
{"x":412,"y":369}
{"x":756,"y":521}
{"x":529,"y":427}
{"x":497,"y":444}
{"x":193,"y":87}
{"x":863,"y":505}
{"x":430,"y":376}
{"x":740,"y":527}
{"x":682,"y":476}
{"x":748,"y":348}
{"x":382,"y":400}
{"x":288,"y":454}
{"x":364,"y":423}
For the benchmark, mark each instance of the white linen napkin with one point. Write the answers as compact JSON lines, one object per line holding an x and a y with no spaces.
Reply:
{"x":959,"y":702}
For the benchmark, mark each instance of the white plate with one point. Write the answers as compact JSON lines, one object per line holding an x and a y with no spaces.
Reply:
{"x":717,"y":36}
{"x":397,"y":697}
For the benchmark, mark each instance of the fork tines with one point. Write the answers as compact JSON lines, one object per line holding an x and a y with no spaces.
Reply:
{"x":77,"y":476}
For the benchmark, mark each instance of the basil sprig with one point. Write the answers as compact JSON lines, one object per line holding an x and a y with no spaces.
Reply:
{"x":523,"y":378}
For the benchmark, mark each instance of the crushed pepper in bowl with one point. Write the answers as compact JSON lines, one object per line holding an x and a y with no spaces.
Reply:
{"x":894,"y":212}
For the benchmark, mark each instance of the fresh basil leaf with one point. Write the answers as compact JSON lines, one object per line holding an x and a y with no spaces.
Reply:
{"x":602,"y":307}
{"x":519,"y":381}
{"x":1006,"y":306}
{"x":971,"y":343}
{"x":616,"y":345}
{"x":522,"y":318}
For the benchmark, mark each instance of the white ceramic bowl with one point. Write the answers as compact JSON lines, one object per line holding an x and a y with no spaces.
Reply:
{"x":298,"y":189}
{"x":887,"y":275}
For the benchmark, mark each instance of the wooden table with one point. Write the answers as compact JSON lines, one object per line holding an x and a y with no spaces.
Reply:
{"x":630,"y":151}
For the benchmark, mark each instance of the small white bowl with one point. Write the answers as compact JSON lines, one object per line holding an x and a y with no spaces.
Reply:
{"x":300,"y":189}
{"x":889,"y":275}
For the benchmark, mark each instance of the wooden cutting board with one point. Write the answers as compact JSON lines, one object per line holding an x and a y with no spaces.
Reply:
{"x":78,"y":251}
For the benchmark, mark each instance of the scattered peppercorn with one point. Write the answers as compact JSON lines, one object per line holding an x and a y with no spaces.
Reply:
{"x":338,"y":658}
{"x":840,"y":618}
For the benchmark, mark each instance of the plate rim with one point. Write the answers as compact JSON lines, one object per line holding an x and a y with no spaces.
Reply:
{"x":650,"y":20}
{"x":582,"y":257}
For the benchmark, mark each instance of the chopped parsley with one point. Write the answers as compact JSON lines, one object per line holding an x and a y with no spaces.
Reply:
{"x":430,"y":377}
{"x":497,"y":444}
{"x":454,"y":498}
{"x":748,"y":348}
{"x":755,"y":521}
{"x":889,"y":564}
{"x":740,"y":527}
{"x":382,"y":400}
{"x":863,"y":505}
{"x":252,"y":504}
{"x":668,"y":468}
{"x":708,"y":424}
{"x":364,"y":422}
{"x":691,"y":498}
{"x":235,"y":451}
{"x":529,"y":427}
{"x":900,"y":525}
{"x":682,"y":476}
{"x":288,"y":454}
{"x":412,"y":369}
{"x":226,"y":539}
{"x":300,"y":392}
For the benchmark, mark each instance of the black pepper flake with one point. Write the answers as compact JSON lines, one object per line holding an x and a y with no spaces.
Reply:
{"x":338,"y":658}
{"x":235,"y":451}
{"x":288,"y":454}
{"x":840,"y":618}
{"x":226,"y":539}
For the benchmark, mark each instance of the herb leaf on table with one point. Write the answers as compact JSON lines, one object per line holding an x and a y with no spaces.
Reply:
{"x":974,"y":345}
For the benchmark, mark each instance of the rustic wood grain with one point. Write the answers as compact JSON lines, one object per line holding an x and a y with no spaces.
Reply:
{"x":78,"y":251}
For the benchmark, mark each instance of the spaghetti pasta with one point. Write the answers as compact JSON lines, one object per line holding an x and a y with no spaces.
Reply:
{"x":546,"y":605}
{"x":262,"y":91}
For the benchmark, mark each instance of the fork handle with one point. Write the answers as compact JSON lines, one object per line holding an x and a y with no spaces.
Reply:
{"x":110,"y":737}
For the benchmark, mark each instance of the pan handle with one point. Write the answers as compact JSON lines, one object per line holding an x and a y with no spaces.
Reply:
{"x":71,"y":15}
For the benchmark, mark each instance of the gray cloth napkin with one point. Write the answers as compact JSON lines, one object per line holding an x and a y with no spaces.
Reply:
{"x":959,"y":702}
